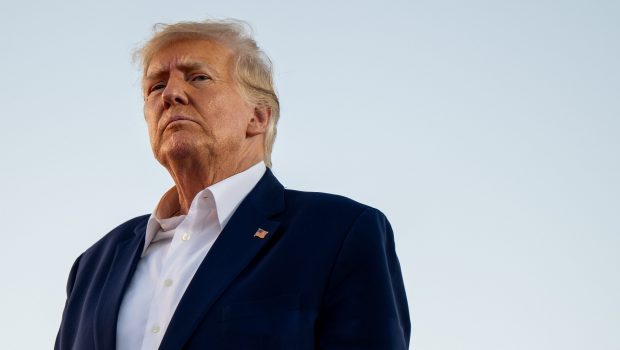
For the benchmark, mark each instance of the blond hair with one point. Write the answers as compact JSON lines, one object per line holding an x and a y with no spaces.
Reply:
{"x":253,"y":70}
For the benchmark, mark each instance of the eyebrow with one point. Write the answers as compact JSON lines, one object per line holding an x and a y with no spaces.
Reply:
{"x":158,"y":71}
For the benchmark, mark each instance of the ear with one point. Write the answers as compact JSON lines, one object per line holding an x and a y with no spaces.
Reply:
{"x":259,"y":121}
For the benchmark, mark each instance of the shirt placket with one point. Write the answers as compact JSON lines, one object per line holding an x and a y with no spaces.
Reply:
{"x":163,"y":302}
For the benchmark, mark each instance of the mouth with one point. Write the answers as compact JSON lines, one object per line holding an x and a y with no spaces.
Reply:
{"x":176,"y":119}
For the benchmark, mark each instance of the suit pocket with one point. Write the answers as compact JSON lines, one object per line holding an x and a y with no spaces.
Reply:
{"x":260,"y":308}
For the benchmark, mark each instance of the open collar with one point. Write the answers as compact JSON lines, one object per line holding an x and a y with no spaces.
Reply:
{"x":225,"y":196}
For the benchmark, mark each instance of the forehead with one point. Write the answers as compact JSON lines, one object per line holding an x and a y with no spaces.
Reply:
{"x":188,"y":53}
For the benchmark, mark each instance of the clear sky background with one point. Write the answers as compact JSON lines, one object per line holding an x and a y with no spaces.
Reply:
{"x":487,"y":131}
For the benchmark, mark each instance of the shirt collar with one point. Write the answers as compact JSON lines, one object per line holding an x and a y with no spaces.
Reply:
{"x":227,"y":195}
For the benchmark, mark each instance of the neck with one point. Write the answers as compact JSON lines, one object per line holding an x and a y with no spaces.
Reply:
{"x":192,"y":175}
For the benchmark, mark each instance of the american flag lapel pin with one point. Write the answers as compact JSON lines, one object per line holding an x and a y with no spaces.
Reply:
{"x":260,"y":233}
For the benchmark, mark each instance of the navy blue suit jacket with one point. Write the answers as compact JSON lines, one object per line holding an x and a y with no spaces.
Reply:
{"x":325,"y":277}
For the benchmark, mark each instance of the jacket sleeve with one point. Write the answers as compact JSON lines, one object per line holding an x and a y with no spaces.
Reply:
{"x":59,"y":344}
{"x":365,"y":306}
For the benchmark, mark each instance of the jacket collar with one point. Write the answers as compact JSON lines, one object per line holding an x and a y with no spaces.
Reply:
{"x":124,"y":262}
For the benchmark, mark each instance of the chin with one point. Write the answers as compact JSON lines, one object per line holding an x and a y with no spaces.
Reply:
{"x":177,"y":148}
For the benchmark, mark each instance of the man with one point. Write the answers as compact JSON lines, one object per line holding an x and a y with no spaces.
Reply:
{"x":229,"y":259}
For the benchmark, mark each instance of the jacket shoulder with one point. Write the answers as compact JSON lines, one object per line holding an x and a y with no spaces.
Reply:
{"x":326,"y":205}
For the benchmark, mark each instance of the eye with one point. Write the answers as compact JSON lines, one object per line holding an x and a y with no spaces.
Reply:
{"x":200,"y":77}
{"x":156,"y":87}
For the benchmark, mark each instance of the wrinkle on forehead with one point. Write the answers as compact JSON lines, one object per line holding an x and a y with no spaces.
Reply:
{"x":194,"y":56}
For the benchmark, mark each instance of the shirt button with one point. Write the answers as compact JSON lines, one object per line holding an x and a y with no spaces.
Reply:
{"x":155,"y":329}
{"x":168,"y":282}
{"x":186,"y":236}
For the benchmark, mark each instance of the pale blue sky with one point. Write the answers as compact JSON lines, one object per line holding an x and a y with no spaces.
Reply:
{"x":487,"y":131}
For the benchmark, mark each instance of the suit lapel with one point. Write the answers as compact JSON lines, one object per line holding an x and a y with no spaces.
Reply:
{"x":122,"y":268}
{"x":233,"y":250}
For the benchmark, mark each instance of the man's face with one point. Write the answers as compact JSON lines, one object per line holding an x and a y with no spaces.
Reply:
{"x":192,"y":105}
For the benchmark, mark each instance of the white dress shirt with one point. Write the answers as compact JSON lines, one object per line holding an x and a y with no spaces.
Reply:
{"x":174,"y":247}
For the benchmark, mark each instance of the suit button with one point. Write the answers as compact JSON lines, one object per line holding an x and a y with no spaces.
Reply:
{"x":155,"y":329}
{"x":186,"y":236}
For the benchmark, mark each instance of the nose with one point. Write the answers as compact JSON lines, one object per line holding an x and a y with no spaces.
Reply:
{"x":174,"y":93}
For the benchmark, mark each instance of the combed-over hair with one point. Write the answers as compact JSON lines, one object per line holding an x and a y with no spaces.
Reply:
{"x":253,"y":70}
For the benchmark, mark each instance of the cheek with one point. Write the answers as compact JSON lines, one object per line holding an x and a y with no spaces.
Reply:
{"x":237,"y":112}
{"x":151,"y":121}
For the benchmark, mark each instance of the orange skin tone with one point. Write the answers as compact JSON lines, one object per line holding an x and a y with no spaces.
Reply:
{"x":201,"y":128}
